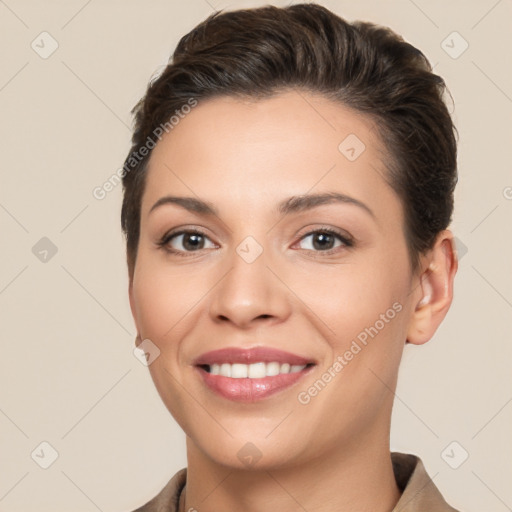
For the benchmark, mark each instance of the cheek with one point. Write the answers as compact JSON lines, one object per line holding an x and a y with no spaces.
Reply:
{"x":164,"y":300}
{"x":363,"y":320}
{"x":347,"y":297}
{"x":164,"y":296}
{"x":364,"y":311}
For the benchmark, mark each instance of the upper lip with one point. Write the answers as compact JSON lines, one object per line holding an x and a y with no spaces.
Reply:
{"x":250,"y":355}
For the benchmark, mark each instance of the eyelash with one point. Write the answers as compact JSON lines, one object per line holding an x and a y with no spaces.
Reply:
{"x":164,"y":241}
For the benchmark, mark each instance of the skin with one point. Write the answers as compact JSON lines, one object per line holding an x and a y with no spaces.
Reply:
{"x":245,"y":157}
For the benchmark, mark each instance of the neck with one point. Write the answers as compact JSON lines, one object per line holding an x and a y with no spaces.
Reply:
{"x":359,"y":478}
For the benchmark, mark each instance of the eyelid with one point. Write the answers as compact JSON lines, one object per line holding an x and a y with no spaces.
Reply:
{"x":344,"y":235}
{"x":163,"y":242}
{"x":347,"y":240}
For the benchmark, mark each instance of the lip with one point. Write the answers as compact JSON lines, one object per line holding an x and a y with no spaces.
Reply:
{"x":250,"y":355}
{"x":250,"y":390}
{"x":245,"y":389}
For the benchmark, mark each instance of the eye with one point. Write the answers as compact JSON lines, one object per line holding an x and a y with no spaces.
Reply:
{"x":185,"y":241}
{"x":324,"y":240}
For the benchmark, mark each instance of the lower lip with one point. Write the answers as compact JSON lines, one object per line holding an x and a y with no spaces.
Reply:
{"x":250,"y":390}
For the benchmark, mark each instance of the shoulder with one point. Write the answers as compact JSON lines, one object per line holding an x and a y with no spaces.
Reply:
{"x":167,"y":500}
{"x":418,"y":489}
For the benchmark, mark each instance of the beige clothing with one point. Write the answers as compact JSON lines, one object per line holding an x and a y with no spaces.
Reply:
{"x":419,"y":494}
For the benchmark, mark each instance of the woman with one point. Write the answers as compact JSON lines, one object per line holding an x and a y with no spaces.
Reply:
{"x":286,"y":204}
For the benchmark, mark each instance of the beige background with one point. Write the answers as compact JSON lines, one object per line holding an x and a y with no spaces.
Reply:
{"x":67,"y":372}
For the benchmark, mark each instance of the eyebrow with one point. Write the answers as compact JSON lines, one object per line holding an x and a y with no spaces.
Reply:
{"x":290,"y":205}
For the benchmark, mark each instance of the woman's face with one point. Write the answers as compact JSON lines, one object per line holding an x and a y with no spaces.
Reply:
{"x":263,"y":272}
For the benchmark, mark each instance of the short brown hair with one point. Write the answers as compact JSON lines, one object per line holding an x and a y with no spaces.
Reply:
{"x":258,"y":52}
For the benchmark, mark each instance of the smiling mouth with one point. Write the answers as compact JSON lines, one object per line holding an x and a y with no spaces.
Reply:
{"x":253,"y":382}
{"x":258,"y":370}
{"x":251,"y":374}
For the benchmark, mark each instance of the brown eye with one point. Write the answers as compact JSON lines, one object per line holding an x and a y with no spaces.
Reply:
{"x":324,"y":240}
{"x":186,"y":241}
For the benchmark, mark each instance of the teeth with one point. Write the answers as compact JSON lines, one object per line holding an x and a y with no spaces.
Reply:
{"x":225,"y":370}
{"x":254,"y":370}
{"x":257,"y":371}
{"x":239,"y":371}
{"x":272,"y":369}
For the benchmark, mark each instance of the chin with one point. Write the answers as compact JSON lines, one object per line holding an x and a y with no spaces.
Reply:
{"x":250,"y":452}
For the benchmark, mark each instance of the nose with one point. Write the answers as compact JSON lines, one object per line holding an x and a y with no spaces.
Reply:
{"x":250,"y":293}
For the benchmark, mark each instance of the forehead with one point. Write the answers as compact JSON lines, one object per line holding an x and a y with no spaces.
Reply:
{"x":252,"y":153}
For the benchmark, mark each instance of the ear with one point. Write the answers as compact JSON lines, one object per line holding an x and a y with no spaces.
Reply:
{"x":435,"y":293}
{"x":138,"y":339}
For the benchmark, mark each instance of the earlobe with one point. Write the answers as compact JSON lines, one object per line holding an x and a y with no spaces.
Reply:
{"x":436,"y":290}
{"x":420,"y":326}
